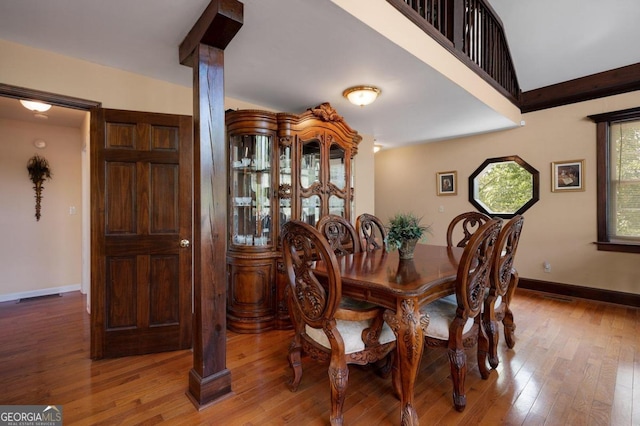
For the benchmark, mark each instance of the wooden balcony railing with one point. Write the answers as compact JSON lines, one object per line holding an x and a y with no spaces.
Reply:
{"x":471,"y":30}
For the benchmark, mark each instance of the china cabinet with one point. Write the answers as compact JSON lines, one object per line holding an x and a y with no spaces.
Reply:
{"x":281,"y":166}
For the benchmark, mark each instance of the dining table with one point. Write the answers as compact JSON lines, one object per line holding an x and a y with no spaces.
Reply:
{"x":402,"y":287}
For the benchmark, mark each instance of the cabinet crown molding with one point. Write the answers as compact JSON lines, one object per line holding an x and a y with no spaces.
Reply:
{"x":326,"y":112}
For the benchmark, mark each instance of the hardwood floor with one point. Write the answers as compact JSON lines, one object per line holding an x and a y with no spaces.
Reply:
{"x":576,"y":362}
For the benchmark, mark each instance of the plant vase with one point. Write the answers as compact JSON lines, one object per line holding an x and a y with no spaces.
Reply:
{"x":406,"y":249}
{"x":406,"y":272}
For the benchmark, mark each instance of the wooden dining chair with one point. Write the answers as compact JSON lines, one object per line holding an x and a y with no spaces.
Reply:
{"x":340,"y":234}
{"x":343,"y":239}
{"x":371,"y":232}
{"x":454,"y":322}
{"x":314,"y":307}
{"x":502,"y":285}
{"x":464,"y":226}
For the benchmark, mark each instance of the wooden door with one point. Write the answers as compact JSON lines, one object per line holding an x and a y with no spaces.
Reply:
{"x":141,"y":224}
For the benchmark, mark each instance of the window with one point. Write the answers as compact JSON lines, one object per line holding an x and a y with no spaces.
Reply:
{"x":618,"y":163}
{"x":504,"y":186}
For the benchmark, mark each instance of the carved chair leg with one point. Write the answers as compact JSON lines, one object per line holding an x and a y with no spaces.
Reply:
{"x":295,"y":362}
{"x":458,"y":363}
{"x":490,"y":326}
{"x":482,"y":349}
{"x":507,"y":321}
{"x":491,"y":329}
{"x":509,"y":328}
{"x":338,"y":379}
{"x":295,"y":348}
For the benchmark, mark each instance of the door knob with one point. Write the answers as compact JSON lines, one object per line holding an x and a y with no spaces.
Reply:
{"x":184,"y":243}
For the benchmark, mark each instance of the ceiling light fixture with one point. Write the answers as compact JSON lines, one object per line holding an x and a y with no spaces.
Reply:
{"x":35,"y":106}
{"x":361,"y":95}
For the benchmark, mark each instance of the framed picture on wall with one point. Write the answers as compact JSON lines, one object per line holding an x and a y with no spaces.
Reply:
{"x":447,"y":183}
{"x":567,"y":176}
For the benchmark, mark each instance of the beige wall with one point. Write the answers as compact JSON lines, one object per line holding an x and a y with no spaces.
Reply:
{"x":364,"y":169}
{"x":37,"y":257}
{"x":560,"y":228}
{"x":45,"y":71}
{"x":49,"y":72}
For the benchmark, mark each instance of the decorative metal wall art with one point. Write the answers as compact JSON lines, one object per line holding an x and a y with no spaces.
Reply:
{"x":39,"y":171}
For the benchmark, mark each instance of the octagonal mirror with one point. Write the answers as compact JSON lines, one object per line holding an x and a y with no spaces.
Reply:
{"x":504,"y":186}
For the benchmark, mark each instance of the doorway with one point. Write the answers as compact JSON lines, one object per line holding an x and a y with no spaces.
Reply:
{"x":62,"y":135}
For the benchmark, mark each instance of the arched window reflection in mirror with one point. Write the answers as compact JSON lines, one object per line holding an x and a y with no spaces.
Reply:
{"x":504,"y":186}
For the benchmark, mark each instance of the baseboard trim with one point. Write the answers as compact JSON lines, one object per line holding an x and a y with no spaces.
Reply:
{"x":36,"y":293}
{"x":620,"y":298}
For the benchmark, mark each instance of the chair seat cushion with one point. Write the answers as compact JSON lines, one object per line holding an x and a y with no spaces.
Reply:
{"x":441,"y":313}
{"x":351,"y":332}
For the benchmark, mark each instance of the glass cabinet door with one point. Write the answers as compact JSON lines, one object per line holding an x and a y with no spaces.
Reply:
{"x":337,"y":178}
{"x":310,"y":181}
{"x":251,"y":190}
{"x":311,"y":209}
{"x":285,"y":190}
{"x":310,"y":164}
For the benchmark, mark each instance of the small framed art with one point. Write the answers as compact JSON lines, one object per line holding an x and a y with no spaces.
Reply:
{"x":567,"y":176}
{"x":447,"y":183}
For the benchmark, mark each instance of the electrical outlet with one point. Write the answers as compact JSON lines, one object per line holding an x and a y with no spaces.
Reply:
{"x":547,"y":266}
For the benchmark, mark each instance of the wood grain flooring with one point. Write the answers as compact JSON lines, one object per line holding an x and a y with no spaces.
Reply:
{"x":576,"y":362}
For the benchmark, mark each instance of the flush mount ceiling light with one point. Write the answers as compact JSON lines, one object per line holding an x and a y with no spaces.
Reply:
{"x":35,"y":106}
{"x":361,"y":95}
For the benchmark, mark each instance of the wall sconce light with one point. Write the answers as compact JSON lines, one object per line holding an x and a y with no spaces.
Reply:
{"x":35,"y":106}
{"x":377,"y":148}
{"x":361,"y":95}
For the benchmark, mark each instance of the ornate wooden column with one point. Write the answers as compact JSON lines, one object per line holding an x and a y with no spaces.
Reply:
{"x":203,"y":50}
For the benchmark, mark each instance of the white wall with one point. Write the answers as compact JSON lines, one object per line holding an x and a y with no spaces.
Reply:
{"x":560,"y":228}
{"x":39,"y":257}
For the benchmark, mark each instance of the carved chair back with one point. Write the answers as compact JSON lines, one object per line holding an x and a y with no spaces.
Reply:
{"x":475,"y":268}
{"x":316,"y":301}
{"x":502,"y":285}
{"x":454,"y":322}
{"x":502,"y":271}
{"x":314,"y":304}
{"x":371,"y":231}
{"x":465,"y":224}
{"x":340,"y":233}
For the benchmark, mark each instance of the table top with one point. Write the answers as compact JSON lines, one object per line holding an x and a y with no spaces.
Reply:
{"x":381,"y":277}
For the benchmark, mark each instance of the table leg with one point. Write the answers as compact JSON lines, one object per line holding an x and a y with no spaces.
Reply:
{"x":405,"y":323}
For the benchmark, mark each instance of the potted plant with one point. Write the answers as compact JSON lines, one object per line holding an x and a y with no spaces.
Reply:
{"x":403,"y":232}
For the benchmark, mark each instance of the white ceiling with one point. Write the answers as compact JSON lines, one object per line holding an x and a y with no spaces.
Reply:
{"x":291,"y":55}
